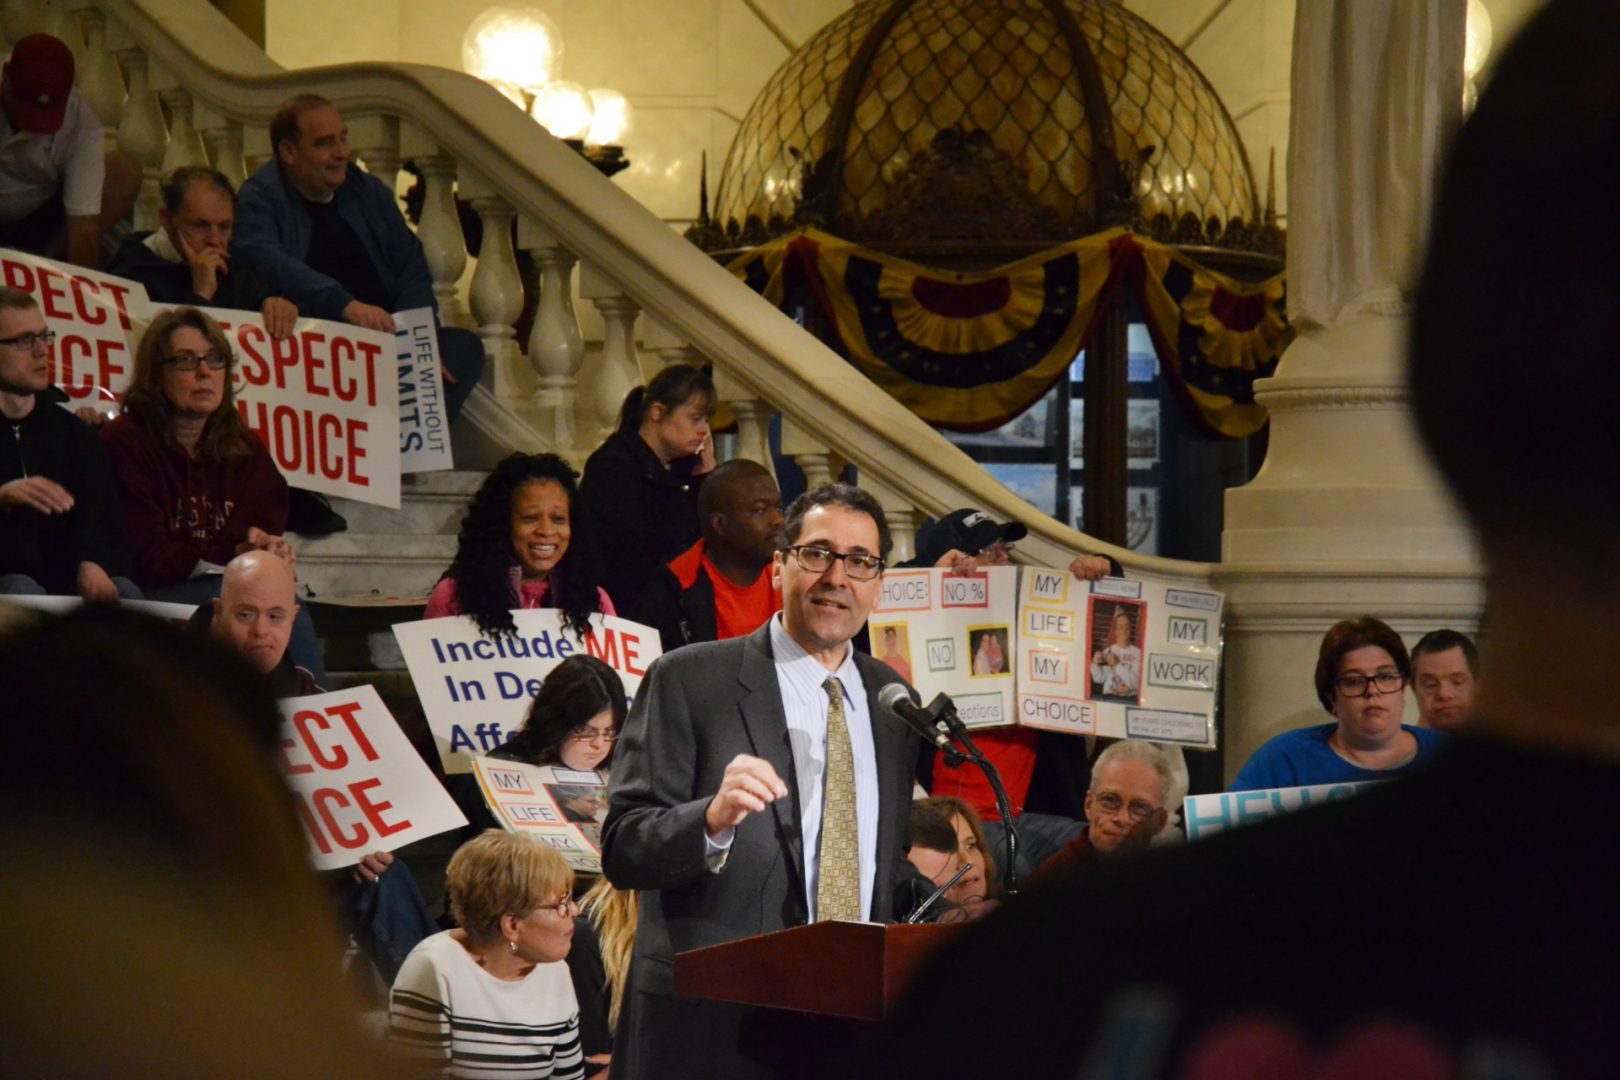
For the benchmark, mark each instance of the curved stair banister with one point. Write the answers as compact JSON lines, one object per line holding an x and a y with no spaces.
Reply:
{"x":630,"y":262}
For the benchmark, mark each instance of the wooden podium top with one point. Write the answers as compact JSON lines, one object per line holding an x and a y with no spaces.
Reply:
{"x":850,"y":969}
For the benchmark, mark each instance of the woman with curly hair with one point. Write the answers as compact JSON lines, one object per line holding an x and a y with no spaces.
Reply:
{"x":197,"y":486}
{"x":515,"y":551}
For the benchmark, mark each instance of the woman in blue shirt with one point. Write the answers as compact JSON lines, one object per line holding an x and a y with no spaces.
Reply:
{"x":1361,"y":676}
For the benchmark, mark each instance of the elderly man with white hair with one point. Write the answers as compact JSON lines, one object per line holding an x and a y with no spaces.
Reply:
{"x":1132,"y":787}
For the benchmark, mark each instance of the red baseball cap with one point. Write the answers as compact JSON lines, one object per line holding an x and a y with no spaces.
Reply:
{"x":40,"y":74}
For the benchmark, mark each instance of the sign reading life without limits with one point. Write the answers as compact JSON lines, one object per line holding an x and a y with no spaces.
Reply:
{"x":1122,"y":657}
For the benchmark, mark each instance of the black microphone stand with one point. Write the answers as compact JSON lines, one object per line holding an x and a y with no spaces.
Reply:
{"x":944,"y":711}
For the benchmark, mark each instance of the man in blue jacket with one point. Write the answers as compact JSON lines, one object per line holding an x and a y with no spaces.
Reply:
{"x":332,"y":239}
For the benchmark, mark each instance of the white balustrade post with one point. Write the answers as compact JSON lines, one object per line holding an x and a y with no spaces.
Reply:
{"x":99,"y":81}
{"x":440,"y":232}
{"x":185,"y":145}
{"x":142,"y":134}
{"x":661,"y":346}
{"x":497,"y":299}
{"x":811,"y":454}
{"x":376,"y":143}
{"x":617,"y":370}
{"x":903,"y":517}
{"x":224,"y":141}
{"x":556,"y":347}
{"x":753,"y":418}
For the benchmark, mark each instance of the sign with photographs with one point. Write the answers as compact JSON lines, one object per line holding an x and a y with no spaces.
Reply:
{"x":1120,"y":657}
{"x":954,"y":634}
{"x":558,"y":806}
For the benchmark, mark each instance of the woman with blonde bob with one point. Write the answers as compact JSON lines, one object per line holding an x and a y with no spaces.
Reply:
{"x":196,"y":485}
{"x":491,"y":998}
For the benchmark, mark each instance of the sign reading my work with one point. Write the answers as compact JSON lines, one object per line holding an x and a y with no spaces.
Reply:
{"x":476,"y":689}
{"x":359,"y":783}
{"x":555,"y":805}
{"x":1129,"y":658}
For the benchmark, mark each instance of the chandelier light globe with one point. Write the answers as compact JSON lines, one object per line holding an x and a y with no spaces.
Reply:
{"x":513,"y":43}
{"x":611,"y":119}
{"x":564,"y":108}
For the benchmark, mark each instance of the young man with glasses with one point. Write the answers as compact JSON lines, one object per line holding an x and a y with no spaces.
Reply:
{"x":61,"y":531}
{"x":759,"y":786}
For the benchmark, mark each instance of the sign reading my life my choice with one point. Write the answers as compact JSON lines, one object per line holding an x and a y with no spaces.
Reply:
{"x":476,"y":689}
{"x":952,"y":634}
{"x":1121,"y":657}
{"x":359,"y":783}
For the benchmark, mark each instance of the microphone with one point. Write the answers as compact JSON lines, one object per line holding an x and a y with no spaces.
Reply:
{"x":896,"y":698}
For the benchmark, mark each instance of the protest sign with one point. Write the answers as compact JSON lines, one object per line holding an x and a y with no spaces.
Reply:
{"x":424,"y":422}
{"x":476,"y":689}
{"x":359,"y":783}
{"x":94,"y":316}
{"x":1122,"y":657}
{"x":555,"y":805}
{"x":1206,"y":815}
{"x":954,"y":634}
{"x":323,"y":400}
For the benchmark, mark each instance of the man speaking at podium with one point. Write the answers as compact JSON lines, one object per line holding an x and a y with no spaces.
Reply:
{"x":758,"y":786}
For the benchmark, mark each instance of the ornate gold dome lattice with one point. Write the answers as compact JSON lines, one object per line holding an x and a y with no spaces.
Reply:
{"x":1023,"y":121}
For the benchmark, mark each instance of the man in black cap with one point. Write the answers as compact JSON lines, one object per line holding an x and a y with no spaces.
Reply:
{"x":59,"y":191}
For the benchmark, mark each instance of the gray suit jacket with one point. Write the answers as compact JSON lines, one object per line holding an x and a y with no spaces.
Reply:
{"x":699,"y":707}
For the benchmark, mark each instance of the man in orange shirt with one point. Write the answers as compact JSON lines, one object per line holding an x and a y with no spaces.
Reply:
{"x":720,"y":587}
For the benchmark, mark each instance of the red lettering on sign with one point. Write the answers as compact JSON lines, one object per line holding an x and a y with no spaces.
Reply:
{"x":255,"y":372}
{"x":19,"y":276}
{"x":302,"y":721}
{"x":357,"y":429}
{"x":374,"y":810}
{"x":323,"y":800}
{"x":371,"y":353}
{"x":346,"y":712}
{"x":314,"y":361}
{"x":50,"y":291}
{"x":93,"y":314}
{"x":343,"y":352}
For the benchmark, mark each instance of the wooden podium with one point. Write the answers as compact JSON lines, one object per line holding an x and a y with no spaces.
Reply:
{"x":846,"y":969}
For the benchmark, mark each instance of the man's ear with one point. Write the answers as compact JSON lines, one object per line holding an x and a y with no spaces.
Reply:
{"x":286,"y":152}
{"x":165,"y":219}
{"x":776,"y":570}
{"x":219,"y":607}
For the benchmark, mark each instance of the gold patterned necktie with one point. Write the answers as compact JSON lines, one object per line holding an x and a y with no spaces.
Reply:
{"x":838,"y":880}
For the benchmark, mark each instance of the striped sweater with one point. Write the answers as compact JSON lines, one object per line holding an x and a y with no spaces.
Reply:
{"x":445,"y":1007}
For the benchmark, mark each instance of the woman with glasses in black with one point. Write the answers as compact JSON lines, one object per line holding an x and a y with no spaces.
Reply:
{"x":197,"y":486}
{"x":1362,"y":672}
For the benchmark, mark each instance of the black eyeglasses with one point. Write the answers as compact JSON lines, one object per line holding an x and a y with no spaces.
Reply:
{"x":818,"y":560}
{"x":26,"y":342}
{"x":1111,"y":805}
{"x":1384,"y":682}
{"x":590,"y":734}
{"x":216,"y":361}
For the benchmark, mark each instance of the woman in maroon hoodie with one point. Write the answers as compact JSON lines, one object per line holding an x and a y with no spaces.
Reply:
{"x":197,"y":486}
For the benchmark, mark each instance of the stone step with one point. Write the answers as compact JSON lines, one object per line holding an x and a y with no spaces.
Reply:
{"x":429,"y":503}
{"x":356,"y":563}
